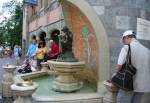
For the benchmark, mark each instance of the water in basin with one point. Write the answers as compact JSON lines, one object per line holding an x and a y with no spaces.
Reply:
{"x":45,"y":87}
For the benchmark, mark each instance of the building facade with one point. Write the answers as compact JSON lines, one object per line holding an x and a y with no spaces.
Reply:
{"x":97,"y":27}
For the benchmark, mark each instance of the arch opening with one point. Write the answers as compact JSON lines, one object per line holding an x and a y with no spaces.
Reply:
{"x":99,"y":31}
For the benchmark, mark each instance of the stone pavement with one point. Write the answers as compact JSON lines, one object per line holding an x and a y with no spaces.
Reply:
{"x":4,"y":61}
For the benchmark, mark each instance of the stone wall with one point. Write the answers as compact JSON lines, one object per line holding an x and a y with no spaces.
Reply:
{"x":118,"y":16}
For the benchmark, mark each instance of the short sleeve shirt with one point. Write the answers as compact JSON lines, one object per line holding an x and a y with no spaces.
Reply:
{"x":122,"y":55}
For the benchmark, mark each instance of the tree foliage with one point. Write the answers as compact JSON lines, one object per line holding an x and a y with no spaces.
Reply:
{"x":11,"y":27}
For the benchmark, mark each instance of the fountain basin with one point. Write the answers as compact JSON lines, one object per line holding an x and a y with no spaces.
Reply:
{"x":45,"y":94}
{"x":9,"y":68}
{"x":24,"y":88}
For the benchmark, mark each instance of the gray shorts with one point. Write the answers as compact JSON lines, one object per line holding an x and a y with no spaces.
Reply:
{"x":141,"y":97}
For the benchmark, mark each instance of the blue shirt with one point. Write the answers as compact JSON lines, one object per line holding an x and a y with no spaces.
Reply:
{"x":31,"y":50}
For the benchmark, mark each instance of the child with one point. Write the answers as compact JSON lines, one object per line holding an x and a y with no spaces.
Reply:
{"x":33,"y":64}
{"x":25,"y":68}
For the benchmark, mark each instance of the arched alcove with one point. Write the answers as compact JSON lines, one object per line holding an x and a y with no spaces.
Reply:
{"x":99,"y":31}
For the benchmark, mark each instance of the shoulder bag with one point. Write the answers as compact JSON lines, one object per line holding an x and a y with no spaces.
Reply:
{"x":124,"y":78}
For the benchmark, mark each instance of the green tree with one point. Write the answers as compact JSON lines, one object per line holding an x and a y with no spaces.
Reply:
{"x":11,"y":28}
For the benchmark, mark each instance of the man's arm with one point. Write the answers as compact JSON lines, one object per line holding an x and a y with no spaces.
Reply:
{"x":121,"y":58}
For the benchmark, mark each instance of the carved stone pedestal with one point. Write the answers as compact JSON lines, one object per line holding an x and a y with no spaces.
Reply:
{"x":66,"y":80}
{"x":23,"y":93}
{"x":7,"y":81}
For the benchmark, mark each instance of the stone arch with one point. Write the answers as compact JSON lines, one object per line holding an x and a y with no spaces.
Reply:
{"x":103,"y":46}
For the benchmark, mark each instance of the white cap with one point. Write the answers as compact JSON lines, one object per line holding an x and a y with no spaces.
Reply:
{"x":128,"y":32}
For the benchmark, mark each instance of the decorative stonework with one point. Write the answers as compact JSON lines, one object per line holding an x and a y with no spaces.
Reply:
{"x":66,"y":80}
{"x":24,"y":93}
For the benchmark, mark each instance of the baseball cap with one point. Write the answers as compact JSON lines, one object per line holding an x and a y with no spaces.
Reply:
{"x":128,"y":32}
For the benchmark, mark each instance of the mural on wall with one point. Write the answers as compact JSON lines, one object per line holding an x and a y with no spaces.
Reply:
{"x":85,"y":45}
{"x":86,"y":35}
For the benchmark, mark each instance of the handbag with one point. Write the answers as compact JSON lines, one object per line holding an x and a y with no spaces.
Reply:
{"x":124,"y":78}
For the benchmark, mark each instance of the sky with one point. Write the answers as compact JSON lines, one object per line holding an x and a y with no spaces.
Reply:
{"x":4,"y":13}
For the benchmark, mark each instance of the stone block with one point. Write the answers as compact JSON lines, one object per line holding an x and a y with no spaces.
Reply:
{"x":143,"y":4}
{"x":121,"y":11}
{"x":99,"y":2}
{"x":115,"y":47}
{"x":144,"y":14}
{"x":109,"y":21}
{"x":119,"y":2}
{"x":122,"y":22}
{"x":146,"y":43}
{"x":133,"y":23}
{"x":112,"y":32}
{"x":133,"y":12}
{"x":99,"y":9}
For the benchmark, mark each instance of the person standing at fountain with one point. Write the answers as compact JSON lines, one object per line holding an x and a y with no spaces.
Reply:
{"x":140,"y":59}
{"x":32,"y":48}
{"x":33,"y":64}
{"x":53,"y":50}
{"x":17,"y":50}
{"x":40,"y":53}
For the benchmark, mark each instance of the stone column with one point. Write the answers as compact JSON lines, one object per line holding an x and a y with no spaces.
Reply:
{"x":7,"y":81}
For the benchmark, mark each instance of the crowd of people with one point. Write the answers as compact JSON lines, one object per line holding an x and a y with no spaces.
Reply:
{"x":6,"y":51}
{"x":38,"y":52}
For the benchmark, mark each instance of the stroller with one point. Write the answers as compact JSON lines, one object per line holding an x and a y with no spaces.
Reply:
{"x":25,"y":68}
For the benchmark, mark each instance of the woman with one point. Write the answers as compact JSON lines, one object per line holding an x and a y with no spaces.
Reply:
{"x":40,"y":53}
{"x":54,"y":50}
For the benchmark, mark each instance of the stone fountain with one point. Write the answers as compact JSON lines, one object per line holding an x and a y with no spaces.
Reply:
{"x":66,"y":80}
{"x":23,"y":91}
{"x":67,"y":65}
{"x":7,"y":80}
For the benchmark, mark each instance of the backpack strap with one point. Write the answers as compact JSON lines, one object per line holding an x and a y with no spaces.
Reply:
{"x":128,"y":57}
